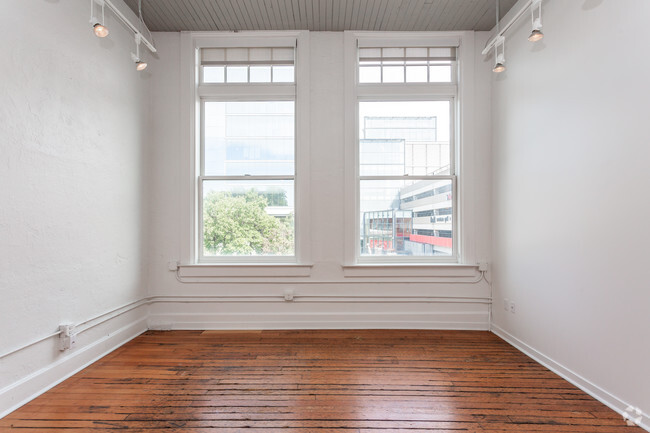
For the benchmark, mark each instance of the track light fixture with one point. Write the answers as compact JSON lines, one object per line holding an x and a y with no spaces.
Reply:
{"x":101,"y":31}
{"x":536,"y":34}
{"x":139,"y":64}
{"x":498,"y":38}
{"x":500,"y":57}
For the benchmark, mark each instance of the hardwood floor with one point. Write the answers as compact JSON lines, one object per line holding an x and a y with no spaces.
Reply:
{"x":369,"y":381}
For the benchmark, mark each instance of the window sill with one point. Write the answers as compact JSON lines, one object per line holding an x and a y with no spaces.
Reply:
{"x":243,"y":270}
{"x":410,"y":270}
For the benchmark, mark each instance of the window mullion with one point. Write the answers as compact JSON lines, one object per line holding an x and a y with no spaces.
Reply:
{"x":433,"y":177}
{"x":244,"y":178}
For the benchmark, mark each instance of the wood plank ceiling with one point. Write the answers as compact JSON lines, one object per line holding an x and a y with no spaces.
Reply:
{"x":320,"y":15}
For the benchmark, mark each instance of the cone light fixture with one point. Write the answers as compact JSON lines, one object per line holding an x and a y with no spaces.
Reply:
{"x":101,"y":31}
{"x":536,"y":33}
{"x":139,"y":64}
{"x":500,"y":55}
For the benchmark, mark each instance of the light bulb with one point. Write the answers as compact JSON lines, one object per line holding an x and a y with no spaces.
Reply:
{"x":536,"y":35}
{"x":500,"y":63}
{"x":140,"y":66}
{"x":100,"y":30}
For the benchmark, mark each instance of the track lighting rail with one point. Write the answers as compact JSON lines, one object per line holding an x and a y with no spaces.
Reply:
{"x":131,"y":26}
{"x":499,"y":36}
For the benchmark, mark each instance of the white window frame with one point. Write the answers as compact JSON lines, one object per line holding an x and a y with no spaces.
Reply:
{"x":460,"y":93}
{"x":195,"y":94}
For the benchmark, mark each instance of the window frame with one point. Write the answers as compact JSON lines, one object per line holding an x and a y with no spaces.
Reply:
{"x":455,"y":92}
{"x":200,"y":93}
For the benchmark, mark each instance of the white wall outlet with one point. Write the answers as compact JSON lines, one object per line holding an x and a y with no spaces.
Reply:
{"x":172,"y":265}
{"x":512,"y":307}
{"x":506,"y":305}
{"x":67,"y":337}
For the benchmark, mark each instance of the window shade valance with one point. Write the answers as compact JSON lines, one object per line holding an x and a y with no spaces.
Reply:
{"x":247,"y":56}
{"x":407,"y":54}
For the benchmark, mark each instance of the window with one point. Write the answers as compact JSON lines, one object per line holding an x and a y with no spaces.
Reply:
{"x":405,"y":101}
{"x":246,"y":168}
{"x":248,"y":178}
{"x":247,"y":65}
{"x":407,"y":65}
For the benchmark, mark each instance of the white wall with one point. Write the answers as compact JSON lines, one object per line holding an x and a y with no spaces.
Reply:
{"x":571,"y":213}
{"x":194,"y":305}
{"x":72,"y":235}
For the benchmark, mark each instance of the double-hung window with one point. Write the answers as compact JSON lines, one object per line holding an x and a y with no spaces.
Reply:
{"x":246,"y":176}
{"x":405,"y":108}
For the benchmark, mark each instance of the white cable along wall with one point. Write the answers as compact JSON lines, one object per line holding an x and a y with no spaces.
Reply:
{"x":281,"y":298}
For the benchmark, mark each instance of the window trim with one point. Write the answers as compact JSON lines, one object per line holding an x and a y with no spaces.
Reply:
{"x":194,"y":93}
{"x":464,"y":232}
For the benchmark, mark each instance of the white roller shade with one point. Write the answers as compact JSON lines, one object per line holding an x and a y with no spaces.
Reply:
{"x":407,"y":54}
{"x":247,"y":56}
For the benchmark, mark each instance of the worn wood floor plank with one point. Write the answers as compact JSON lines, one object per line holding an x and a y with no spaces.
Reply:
{"x":369,"y":381}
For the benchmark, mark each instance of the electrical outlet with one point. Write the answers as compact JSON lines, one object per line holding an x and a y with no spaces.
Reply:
{"x":506,"y":305}
{"x":512,"y":307}
{"x":67,"y":337}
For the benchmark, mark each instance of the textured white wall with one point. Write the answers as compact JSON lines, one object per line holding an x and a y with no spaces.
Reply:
{"x":327,"y":187}
{"x":72,"y":170}
{"x":571,"y":214}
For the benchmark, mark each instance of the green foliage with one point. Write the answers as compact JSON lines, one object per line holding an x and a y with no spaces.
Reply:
{"x":237,"y":224}
{"x":274,"y":197}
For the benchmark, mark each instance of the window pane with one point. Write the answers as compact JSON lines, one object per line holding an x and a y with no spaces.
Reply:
{"x":251,"y":137}
{"x":260,"y":74}
{"x":213,"y":74}
{"x":404,"y":137}
{"x":248,"y":218}
{"x":416,"y":74}
{"x":237,"y":74}
{"x":370,"y":74}
{"x":406,"y":217}
{"x":393,"y":74}
{"x":283,"y":74}
{"x":440,"y":74}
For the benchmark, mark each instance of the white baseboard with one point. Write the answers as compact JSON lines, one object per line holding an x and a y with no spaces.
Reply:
{"x":227,"y":321}
{"x":28,"y":388}
{"x":587,"y":386}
